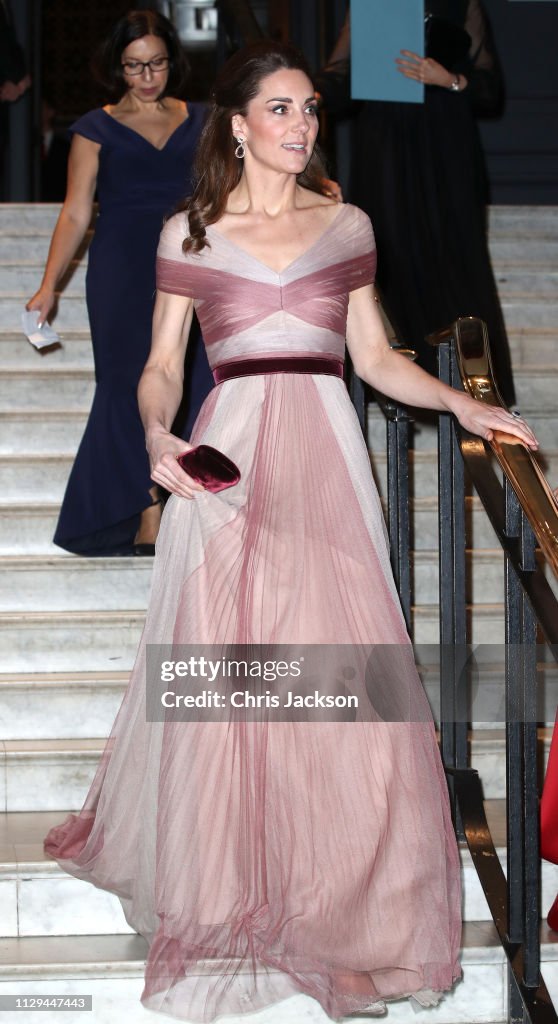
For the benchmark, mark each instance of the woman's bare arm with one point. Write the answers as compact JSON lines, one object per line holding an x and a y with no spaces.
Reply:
{"x":74,"y":219}
{"x":399,"y":378}
{"x":160,"y":392}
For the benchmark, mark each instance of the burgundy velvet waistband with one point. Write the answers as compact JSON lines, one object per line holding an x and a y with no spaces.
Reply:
{"x":278,"y":364}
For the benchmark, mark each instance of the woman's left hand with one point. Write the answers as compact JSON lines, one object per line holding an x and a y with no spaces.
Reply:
{"x":486,"y":420}
{"x":424,"y":69}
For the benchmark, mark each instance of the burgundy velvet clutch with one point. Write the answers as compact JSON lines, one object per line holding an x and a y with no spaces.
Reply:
{"x":209,"y":467}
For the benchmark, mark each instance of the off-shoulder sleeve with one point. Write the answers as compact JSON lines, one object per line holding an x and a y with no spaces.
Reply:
{"x":90,"y":126}
{"x":361,"y":245}
{"x":175,"y":271}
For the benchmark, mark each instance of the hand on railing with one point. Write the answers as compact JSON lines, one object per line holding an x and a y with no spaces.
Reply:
{"x":489,"y":420}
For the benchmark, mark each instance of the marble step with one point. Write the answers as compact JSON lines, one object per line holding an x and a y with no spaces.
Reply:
{"x":82,"y":705}
{"x":71,"y":315}
{"x":40,"y":431}
{"x":65,"y":705}
{"x":100,"y":641}
{"x":31,"y":477}
{"x":31,"y":250}
{"x":54,"y":774}
{"x":28,"y":218}
{"x":539,"y":312}
{"x":35,"y":477}
{"x":110,"y":968}
{"x":74,"y":353}
{"x":33,"y":217}
{"x":29,"y":582}
{"x":424,"y":518}
{"x":44,"y":430}
{"x":18,"y":277}
{"x":529,"y":347}
{"x":502,"y":219}
{"x":28,"y":528}
{"x":62,"y":384}
{"x":47,"y":774}
{"x":522,"y":267}
{"x":530,"y":281}
{"x":56,"y":388}
{"x":527,"y":251}
{"x":47,"y":431}
{"x":485,"y":572}
{"x":74,"y":584}
{"x":32,"y":884}
{"x":38,"y":897}
{"x":46,"y":641}
{"x":486,"y":707}
{"x":95,"y":640}
{"x":522,"y":221}
{"x":485,"y":623}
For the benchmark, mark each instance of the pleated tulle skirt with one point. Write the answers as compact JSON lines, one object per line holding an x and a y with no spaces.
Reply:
{"x":267,"y":858}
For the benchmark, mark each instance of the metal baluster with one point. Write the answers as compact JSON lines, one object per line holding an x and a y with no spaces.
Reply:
{"x":531,"y":966}
{"x":521,"y":758}
{"x":452,"y":583}
{"x":463,"y":662}
{"x":399,"y":525}
{"x":514,"y":758}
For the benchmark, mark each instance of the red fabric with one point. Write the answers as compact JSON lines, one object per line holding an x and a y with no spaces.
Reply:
{"x":553,"y":916}
{"x":549,"y":810}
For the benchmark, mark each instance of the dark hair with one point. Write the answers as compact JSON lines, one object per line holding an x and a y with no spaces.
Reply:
{"x":217,"y":169}
{"x":134,"y":25}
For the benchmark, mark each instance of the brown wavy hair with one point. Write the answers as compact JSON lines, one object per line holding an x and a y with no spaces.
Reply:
{"x":217,"y":169}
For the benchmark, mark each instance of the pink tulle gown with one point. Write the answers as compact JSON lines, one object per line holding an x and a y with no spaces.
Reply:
{"x":265,"y":859}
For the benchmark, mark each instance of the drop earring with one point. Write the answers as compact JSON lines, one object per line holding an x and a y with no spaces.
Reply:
{"x":240,"y":150}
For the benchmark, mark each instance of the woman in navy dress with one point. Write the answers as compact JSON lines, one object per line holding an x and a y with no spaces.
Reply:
{"x":137,"y":155}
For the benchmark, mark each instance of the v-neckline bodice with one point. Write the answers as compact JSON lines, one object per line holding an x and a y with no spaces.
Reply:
{"x":293,"y":262}
{"x":144,"y":139}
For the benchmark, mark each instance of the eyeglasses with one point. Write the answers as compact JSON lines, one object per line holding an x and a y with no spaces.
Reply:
{"x":137,"y":67}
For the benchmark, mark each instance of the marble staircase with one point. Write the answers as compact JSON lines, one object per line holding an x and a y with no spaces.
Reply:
{"x":69,"y":629}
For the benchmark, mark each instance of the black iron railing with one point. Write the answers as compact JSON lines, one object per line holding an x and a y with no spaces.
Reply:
{"x":524,"y":515}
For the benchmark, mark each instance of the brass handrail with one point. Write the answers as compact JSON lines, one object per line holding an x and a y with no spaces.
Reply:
{"x":533,"y":490}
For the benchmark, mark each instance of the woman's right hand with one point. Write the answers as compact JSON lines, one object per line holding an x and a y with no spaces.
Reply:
{"x":163,"y":449}
{"x":43,"y":300}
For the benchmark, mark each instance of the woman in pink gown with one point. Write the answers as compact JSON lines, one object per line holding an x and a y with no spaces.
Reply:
{"x":262,"y":859}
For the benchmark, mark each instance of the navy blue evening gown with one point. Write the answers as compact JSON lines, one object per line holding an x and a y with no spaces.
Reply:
{"x":137,"y":186}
